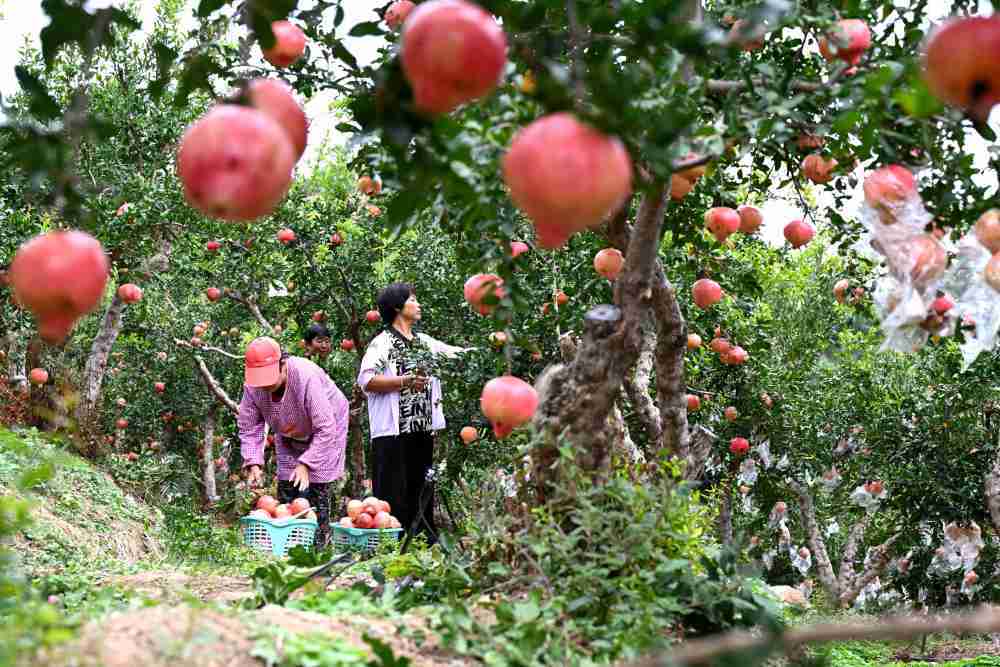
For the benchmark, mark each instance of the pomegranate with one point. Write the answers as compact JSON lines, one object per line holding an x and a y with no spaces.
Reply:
{"x":961,"y":64}
{"x":730,"y":413}
{"x":817,"y":169}
{"x":739,"y":446}
{"x":722,"y":221}
{"x":988,"y":230}
{"x":971,"y":578}
{"x":346,"y":522}
{"x":888,"y":188}
{"x":720,"y":345}
{"x":706,"y":293}
{"x":780,"y":507}
{"x":875,"y":488}
{"x":383,"y":520}
{"x":693,"y":403}
{"x":561,"y":298}
{"x":159,"y":387}
{"x":798,"y":233}
{"x":336,"y":239}
{"x":354,"y":508}
{"x":803,"y":552}
{"x":373,"y":211}
{"x":130,"y":293}
{"x":318,"y":316}
{"x":213,"y":246}
{"x":364,"y":521}
{"x":750,"y":219}
{"x":347,"y":345}
{"x":267,"y":503}
{"x":518,"y":248}
{"x":286,"y":236}
{"x":737,"y":356}
{"x":38,"y":376}
{"x":282,"y":512}
{"x":397,"y":13}
{"x":275,"y":98}
{"x":929,"y":260}
{"x":289,"y":44}
{"x":694,"y":341}
{"x":386,"y":507}
{"x":847,"y":41}
{"x":121,"y":423}
{"x":372,"y":316}
{"x":366,"y":185}
{"x":453,"y":52}
{"x":808,"y":142}
{"x":840,"y":290}
{"x":260,"y":514}
{"x":609,"y":262}
{"x":566,"y":176}
{"x":479,"y":287}
{"x":508,"y":402}
{"x":59,"y":276}
{"x":213,"y":294}
{"x":498,"y":339}
{"x":299,"y":505}
{"x":942,"y":305}
{"x":235,"y":163}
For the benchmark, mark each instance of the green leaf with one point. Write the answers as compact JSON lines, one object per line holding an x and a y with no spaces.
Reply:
{"x":526,"y":612}
{"x":917,"y":100}
{"x":846,"y":121}
{"x":71,"y":24}
{"x":346,"y":56}
{"x":366,"y":29}
{"x":41,"y":104}
{"x":384,"y":655}
{"x":196,"y":75}
{"x":262,"y":13}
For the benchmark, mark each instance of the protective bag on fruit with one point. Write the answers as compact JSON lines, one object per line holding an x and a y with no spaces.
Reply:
{"x":977,"y":302}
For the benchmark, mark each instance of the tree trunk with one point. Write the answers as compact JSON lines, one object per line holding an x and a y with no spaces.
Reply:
{"x":726,"y":516}
{"x":671,"y":344}
{"x":356,"y":444}
{"x":637,"y":388}
{"x":816,"y":542}
{"x":991,"y":489}
{"x":207,"y":458}
{"x":100,"y":349}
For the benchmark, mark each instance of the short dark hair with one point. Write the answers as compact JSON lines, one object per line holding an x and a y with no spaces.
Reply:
{"x":392,"y":299}
{"x":314,"y":331}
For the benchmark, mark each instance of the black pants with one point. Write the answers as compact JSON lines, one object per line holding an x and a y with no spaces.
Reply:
{"x":401,"y":463}
{"x":318,"y":496}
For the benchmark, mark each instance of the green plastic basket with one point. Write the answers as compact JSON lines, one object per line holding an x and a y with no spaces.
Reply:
{"x":278,"y":537}
{"x":366,"y":539}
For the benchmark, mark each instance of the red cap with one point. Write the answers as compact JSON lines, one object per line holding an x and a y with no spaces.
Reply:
{"x":263,"y":360}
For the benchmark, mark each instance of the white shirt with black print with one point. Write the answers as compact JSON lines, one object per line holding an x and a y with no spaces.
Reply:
{"x":414,"y":406}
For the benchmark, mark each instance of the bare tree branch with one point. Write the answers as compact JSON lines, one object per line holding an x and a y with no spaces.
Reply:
{"x":724,"y":86}
{"x":214,"y":386}
{"x":816,"y":542}
{"x":637,"y":388}
{"x":847,"y":572}
{"x":877,"y":567}
{"x":206,"y":348}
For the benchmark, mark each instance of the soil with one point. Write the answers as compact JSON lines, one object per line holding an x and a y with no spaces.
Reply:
{"x":948,"y":652}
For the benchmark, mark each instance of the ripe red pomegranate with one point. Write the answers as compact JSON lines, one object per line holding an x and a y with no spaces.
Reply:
{"x":561,"y":298}
{"x":750,"y":219}
{"x":213,"y":294}
{"x":38,"y":376}
{"x":840,"y":290}
{"x":720,"y":345}
{"x":286,"y":236}
{"x":290,"y":44}
{"x":121,"y":423}
{"x":722,"y":221}
{"x":318,"y":316}
{"x":942,"y":305}
{"x":468,"y":434}
{"x":213,"y":246}
{"x":780,"y":507}
{"x":731,"y":414}
{"x":453,"y":52}
{"x":888,"y":188}
{"x":235,"y":163}
{"x":566,"y":176}
{"x":299,"y":505}
{"x":929,"y":260}
{"x":130,"y":293}
{"x":372,"y":316}
{"x":988,"y":230}
{"x":282,"y":512}
{"x":737,"y":356}
{"x":809,"y":142}
{"x":479,"y":287}
{"x":59,"y":276}
{"x":962,"y":65}
{"x":798,"y":233}
{"x":739,"y":446}
{"x":818,"y":169}
{"x":518,"y":248}
{"x":874,"y":488}
{"x":971,"y":578}
{"x":366,"y":185}
{"x":693,"y":403}
{"x":347,"y":345}
{"x":373,"y":211}
{"x":275,"y":98}
{"x":364,"y":521}
{"x":609,"y":263}
{"x":847,"y":41}
{"x":336,"y":239}
{"x":508,"y":402}
{"x":706,"y":293}
{"x":396,"y":15}
{"x":159,"y":387}
{"x":694,"y":341}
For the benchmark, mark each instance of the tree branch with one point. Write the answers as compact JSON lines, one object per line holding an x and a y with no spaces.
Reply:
{"x":847,"y":573}
{"x":252,"y":306}
{"x":878,"y":565}
{"x":705,"y":651}
{"x":214,"y":386}
{"x":991,"y":489}
{"x":671,"y":344}
{"x":206,"y":348}
{"x":637,"y":388}
{"x":724,"y":86}
{"x":816,"y":542}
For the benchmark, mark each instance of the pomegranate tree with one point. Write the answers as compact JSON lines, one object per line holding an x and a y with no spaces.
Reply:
{"x":566,"y":176}
{"x":59,"y":276}
{"x":453,"y":52}
{"x":508,"y":402}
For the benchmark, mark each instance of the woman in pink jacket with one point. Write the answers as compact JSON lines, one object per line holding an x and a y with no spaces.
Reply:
{"x":308,"y":416}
